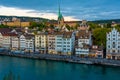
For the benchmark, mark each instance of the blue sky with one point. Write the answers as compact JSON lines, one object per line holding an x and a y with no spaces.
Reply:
{"x":71,"y":9}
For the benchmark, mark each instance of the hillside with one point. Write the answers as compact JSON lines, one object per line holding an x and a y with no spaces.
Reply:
{"x":36,"y":19}
{"x":106,"y":21}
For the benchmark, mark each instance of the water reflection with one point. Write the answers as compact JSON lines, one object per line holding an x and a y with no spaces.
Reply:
{"x":29,"y":69}
{"x":11,"y":76}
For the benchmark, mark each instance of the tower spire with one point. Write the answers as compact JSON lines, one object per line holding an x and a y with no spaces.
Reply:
{"x":59,"y":11}
{"x":60,"y":17}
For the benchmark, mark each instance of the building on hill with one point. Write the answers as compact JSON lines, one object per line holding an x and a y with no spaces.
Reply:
{"x":113,"y":44}
{"x":72,"y":23}
{"x":16,"y":23}
{"x":113,"y":24}
{"x":84,"y":26}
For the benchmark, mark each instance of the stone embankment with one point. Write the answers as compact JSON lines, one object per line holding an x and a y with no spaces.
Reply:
{"x":72,"y":59}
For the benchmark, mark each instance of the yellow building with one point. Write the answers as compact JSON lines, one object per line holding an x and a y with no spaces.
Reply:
{"x":17,"y":23}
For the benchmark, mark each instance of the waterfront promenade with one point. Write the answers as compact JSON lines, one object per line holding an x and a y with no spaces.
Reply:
{"x":71,"y":59}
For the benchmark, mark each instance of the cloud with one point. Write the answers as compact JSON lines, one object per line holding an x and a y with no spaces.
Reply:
{"x":14,"y":11}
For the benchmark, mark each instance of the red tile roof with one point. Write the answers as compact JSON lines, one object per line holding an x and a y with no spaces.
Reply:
{"x":9,"y":34}
{"x":5,"y":30}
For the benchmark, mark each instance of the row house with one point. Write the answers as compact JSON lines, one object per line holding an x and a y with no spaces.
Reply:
{"x":41,"y":42}
{"x":83,"y":42}
{"x":64,"y":43}
{"x":97,"y":51}
{"x":9,"y":40}
{"x":113,"y":44}
{"x":27,"y":42}
{"x":15,"y":41}
{"x":3,"y":30}
{"x":51,"y":43}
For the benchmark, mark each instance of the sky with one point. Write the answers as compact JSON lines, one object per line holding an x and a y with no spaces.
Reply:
{"x":72,"y":10}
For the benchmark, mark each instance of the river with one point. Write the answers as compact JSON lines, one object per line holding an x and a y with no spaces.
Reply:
{"x":29,"y":69}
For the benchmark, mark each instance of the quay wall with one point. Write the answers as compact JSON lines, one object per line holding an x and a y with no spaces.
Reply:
{"x":71,"y":59}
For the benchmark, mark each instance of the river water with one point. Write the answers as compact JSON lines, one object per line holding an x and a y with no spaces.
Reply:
{"x":29,"y":69}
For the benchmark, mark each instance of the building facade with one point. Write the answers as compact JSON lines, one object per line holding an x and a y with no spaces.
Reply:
{"x":83,"y":42}
{"x":84,"y":26}
{"x":113,"y":44}
{"x":41,"y":42}
{"x":64,"y":43}
{"x":51,"y":43}
{"x":27,"y":42}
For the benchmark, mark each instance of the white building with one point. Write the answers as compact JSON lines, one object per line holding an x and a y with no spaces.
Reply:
{"x":15,"y":42}
{"x":113,"y":43}
{"x":27,"y":42}
{"x":22,"y":42}
{"x":9,"y":40}
{"x":64,"y":43}
{"x":83,"y":42}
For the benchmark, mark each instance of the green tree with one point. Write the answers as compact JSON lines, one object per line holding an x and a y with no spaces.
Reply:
{"x":76,"y":26}
{"x":118,"y":27}
{"x":52,"y":26}
{"x":68,"y":27}
{"x":107,"y":25}
{"x":93,"y":25}
{"x":38,"y":25}
{"x":4,"y":26}
{"x":99,"y":36}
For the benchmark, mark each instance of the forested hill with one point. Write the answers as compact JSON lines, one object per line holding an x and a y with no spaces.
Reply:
{"x":107,"y":21}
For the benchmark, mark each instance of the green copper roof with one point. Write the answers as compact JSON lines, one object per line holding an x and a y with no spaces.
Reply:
{"x":60,"y":17}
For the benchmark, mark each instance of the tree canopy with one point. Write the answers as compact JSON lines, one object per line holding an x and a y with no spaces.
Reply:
{"x":99,"y":36}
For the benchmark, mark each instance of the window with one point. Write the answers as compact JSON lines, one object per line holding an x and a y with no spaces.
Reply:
{"x":68,"y":42}
{"x":64,"y":48}
{"x":113,"y":38}
{"x":113,"y":51}
{"x":108,"y":46}
{"x":118,"y":51}
{"x":113,"y":35}
{"x":113,"y":42}
{"x":113,"y":46}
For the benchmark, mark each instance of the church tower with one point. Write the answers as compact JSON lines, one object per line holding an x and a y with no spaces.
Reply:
{"x":60,"y":18}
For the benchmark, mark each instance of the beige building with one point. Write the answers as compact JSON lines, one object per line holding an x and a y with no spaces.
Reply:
{"x":17,"y":23}
{"x":51,"y":43}
{"x":84,"y":26}
{"x":41,"y":42}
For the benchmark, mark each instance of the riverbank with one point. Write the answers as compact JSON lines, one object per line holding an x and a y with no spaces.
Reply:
{"x":71,"y":59}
